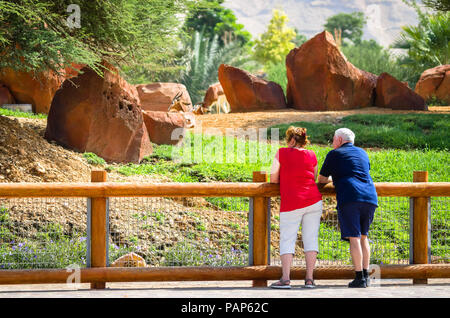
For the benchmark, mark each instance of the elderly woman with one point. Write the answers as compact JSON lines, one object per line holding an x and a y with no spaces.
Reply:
{"x":295,"y":168}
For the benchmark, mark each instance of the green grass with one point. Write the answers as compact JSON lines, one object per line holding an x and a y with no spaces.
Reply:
{"x":387,"y":165}
{"x":225,"y":159}
{"x":14,"y":113}
{"x":391,"y":131}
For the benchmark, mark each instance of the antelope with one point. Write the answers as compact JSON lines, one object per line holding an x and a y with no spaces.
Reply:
{"x":215,"y":101}
{"x":220,"y":105}
{"x":177,"y":105}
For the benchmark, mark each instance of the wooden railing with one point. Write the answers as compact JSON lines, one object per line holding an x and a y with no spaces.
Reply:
{"x":260,"y":271}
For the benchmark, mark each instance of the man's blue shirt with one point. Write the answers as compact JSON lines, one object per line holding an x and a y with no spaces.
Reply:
{"x":349,"y":167}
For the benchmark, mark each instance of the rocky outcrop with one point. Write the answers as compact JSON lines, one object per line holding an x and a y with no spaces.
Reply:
{"x":391,"y":93}
{"x":212,"y":94}
{"x":129,"y":260}
{"x":166,"y":128}
{"x":100,"y":115}
{"x":435,"y":82}
{"x":320,"y":78}
{"x":5,"y":96}
{"x":159,"y":96}
{"x":36,"y":89}
{"x":246,"y":92}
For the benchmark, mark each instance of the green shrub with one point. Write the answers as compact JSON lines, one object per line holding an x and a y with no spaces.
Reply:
{"x":277,"y":73}
{"x":93,"y":159}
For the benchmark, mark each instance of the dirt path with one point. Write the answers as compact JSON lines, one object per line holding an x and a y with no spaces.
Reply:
{"x":268,"y":118}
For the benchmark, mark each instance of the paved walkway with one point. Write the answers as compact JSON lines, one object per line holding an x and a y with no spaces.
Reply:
{"x":400,"y":288}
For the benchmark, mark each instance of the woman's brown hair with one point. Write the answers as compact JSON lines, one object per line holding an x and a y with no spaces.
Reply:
{"x":299,"y":135}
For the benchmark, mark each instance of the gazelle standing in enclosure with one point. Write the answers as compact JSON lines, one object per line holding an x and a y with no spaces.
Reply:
{"x":179,"y":106}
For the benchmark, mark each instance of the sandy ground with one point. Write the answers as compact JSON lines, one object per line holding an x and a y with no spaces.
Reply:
{"x":268,"y":118}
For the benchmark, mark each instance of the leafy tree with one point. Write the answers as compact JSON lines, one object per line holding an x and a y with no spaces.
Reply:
{"x":372,"y":57}
{"x":439,"y":5}
{"x":299,"y":38}
{"x":32,"y":38}
{"x":277,"y":73}
{"x":213,"y":19}
{"x":276,"y":42}
{"x":34,"y":34}
{"x":351,"y":24}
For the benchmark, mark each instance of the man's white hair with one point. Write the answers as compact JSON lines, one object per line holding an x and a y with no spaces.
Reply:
{"x":346,"y":135}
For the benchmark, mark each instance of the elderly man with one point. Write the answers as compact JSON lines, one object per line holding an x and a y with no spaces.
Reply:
{"x":356,"y":197}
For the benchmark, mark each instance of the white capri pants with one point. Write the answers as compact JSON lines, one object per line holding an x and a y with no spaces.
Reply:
{"x":290,"y":221}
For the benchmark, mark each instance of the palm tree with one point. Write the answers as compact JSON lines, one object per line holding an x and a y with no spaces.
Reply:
{"x":427,"y":44}
{"x":204,"y":58}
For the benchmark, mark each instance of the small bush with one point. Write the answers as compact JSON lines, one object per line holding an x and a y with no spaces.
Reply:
{"x":434,"y":101}
{"x":93,"y":159}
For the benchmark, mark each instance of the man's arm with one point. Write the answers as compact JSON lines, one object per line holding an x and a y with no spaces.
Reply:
{"x":326,"y":170}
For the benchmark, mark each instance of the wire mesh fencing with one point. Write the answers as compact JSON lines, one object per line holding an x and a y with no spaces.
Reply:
{"x":440,"y":230}
{"x":42,"y":233}
{"x":37,"y":233}
{"x":180,"y":231}
{"x":388,"y":235}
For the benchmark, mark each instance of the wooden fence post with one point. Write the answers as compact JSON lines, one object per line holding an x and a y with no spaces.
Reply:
{"x":420,"y":226}
{"x":98,"y":228}
{"x":260,"y":228}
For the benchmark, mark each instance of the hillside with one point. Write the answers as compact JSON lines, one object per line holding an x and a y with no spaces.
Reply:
{"x":384,"y":18}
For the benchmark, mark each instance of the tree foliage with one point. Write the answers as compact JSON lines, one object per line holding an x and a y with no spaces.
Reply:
{"x":351,"y":24}
{"x":372,"y":57}
{"x":439,"y":5}
{"x":276,"y":42}
{"x":213,"y":19}
{"x":34,"y":35}
{"x":299,"y":38}
{"x":204,"y":56}
{"x":427,"y":43}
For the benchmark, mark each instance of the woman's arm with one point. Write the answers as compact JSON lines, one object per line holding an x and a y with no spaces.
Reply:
{"x":275,"y":172}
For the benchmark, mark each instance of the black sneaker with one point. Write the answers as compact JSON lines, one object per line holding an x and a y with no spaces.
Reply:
{"x":366,"y":277}
{"x":367,"y":281}
{"x":357,"y":283}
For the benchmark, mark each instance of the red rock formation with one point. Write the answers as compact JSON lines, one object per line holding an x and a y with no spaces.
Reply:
{"x":99,"y":115}
{"x":212,"y":94}
{"x":391,"y":93}
{"x":435,"y":82}
{"x":159,"y":96}
{"x":161,"y":125}
{"x":5,"y":96}
{"x":321,"y":78}
{"x":246,"y":92}
{"x":37,"y":90}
